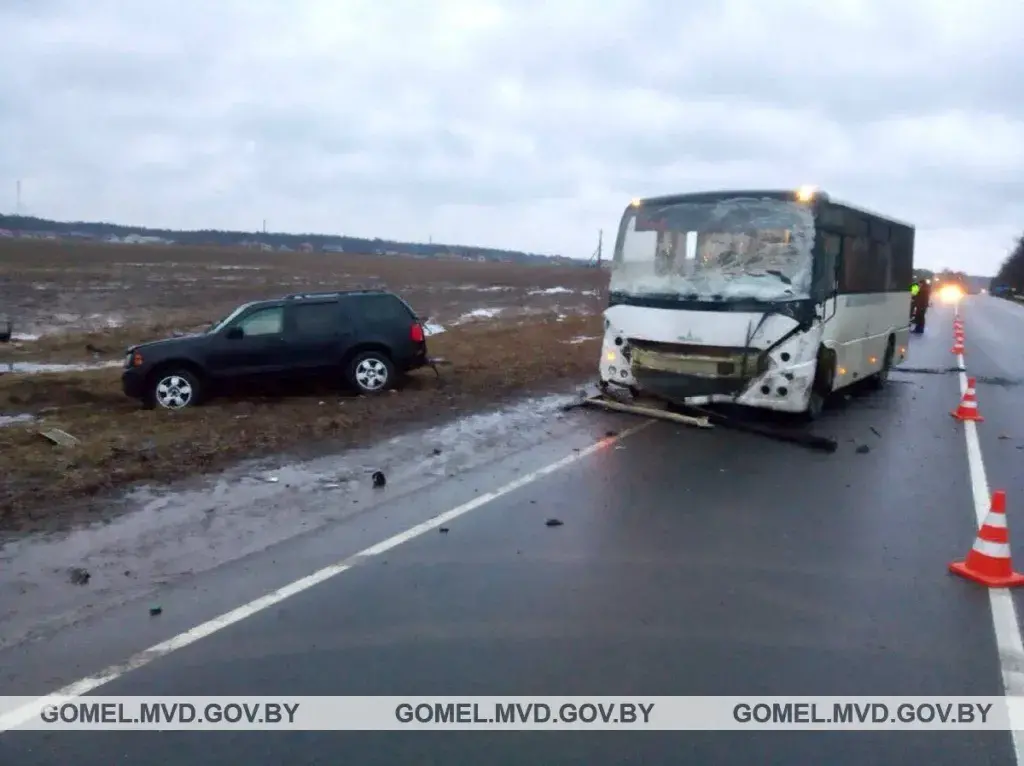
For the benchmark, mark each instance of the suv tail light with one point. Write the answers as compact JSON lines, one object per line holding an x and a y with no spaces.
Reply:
{"x":416,"y":333}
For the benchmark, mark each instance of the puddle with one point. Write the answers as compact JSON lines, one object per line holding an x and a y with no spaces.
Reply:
{"x":34,"y":368}
{"x":12,"y":420}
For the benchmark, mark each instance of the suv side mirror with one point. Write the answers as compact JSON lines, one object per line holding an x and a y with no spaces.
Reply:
{"x":235,"y":333}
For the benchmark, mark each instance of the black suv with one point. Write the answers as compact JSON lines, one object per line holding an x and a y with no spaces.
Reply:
{"x":365,"y":338}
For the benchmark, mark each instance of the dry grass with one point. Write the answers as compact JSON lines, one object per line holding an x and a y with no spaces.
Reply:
{"x":121,"y":444}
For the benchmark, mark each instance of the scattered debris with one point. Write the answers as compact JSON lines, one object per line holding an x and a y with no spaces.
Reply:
{"x":58,"y":437}
{"x":610,"y":433}
{"x":437,"y":451}
{"x":379,"y":480}
{"x":155,"y":610}
{"x":875,"y":431}
{"x":863,"y":449}
{"x":443,"y":530}
{"x":94,"y":349}
{"x":553,"y":523}
{"x":79,"y":576}
{"x":1004,"y":436}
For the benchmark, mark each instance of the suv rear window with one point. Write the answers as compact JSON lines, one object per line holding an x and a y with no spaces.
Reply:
{"x":381,"y":308}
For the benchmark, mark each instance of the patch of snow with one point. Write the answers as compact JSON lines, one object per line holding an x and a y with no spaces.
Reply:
{"x":32,"y":368}
{"x":10,"y":420}
{"x":582,"y":339}
{"x":432,"y":329}
{"x":24,"y":336}
{"x":551,"y":291}
{"x":479,"y":314}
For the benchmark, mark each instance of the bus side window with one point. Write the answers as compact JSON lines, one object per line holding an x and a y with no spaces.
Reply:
{"x":830,"y":264}
{"x":883,"y":265}
{"x":856,"y":273}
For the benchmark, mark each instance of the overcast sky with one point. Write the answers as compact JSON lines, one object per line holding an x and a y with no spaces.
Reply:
{"x":519,"y":124}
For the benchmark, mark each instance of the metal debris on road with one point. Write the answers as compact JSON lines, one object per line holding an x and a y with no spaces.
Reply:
{"x":79,"y":576}
{"x":379,"y":479}
{"x":553,"y":523}
{"x":863,"y":449}
{"x":155,"y":610}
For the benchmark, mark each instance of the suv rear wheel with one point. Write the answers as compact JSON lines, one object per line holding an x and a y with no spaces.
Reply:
{"x":371,"y":372}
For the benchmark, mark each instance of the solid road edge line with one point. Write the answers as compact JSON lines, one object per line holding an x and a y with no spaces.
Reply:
{"x":14,"y":718}
{"x":1009,"y":643}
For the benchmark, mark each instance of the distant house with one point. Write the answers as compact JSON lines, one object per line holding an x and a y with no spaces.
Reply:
{"x":333,"y":249}
{"x":306,"y":247}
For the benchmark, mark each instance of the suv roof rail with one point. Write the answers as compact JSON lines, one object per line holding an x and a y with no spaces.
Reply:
{"x":331,"y":293}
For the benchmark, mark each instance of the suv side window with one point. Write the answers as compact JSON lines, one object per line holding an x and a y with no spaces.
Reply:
{"x":314,"y":319}
{"x":269,"y":321}
{"x":381,"y":309}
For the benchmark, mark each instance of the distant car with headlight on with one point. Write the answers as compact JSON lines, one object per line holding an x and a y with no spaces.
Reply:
{"x":950,"y":293}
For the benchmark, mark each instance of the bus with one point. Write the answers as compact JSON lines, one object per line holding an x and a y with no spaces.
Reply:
{"x":769,"y":299}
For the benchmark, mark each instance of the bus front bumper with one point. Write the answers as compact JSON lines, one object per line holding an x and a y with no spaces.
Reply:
{"x":785,"y":388}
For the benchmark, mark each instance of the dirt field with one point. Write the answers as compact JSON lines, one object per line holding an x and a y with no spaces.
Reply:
{"x":52,"y":287}
{"x":80,"y":304}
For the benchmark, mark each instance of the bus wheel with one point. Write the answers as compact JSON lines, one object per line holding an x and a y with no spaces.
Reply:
{"x":815,"y":406}
{"x":880,"y":378}
{"x":824,"y":380}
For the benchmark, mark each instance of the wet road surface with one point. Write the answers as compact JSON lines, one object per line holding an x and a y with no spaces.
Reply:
{"x":689,"y":563}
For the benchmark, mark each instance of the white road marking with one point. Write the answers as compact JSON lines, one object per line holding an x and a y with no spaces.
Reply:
{"x":1004,"y":615}
{"x":21,"y":715}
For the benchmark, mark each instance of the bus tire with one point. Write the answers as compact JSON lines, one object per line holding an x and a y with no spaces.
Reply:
{"x":881,"y":378}
{"x":824,"y":380}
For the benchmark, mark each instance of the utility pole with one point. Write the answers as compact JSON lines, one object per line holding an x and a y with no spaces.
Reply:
{"x":595,"y":258}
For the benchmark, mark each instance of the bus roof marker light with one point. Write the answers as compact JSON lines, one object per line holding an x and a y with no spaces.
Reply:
{"x":806,"y":193}
{"x":635,"y":202}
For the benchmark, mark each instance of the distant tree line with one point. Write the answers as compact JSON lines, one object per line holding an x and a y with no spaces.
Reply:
{"x":217,"y":238}
{"x":1011,"y":274}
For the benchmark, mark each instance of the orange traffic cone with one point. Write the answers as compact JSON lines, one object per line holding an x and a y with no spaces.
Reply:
{"x":989,"y":562}
{"x":968,"y":409}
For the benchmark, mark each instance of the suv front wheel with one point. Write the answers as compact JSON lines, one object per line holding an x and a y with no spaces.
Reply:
{"x":173,"y":390}
{"x":371,"y":372}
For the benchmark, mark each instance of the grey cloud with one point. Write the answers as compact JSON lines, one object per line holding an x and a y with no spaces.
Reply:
{"x":173,"y":112}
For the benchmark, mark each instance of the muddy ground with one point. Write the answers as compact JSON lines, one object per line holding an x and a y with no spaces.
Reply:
{"x":127,"y":293}
{"x":545,"y":338}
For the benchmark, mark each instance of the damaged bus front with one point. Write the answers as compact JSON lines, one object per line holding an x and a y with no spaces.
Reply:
{"x":736,"y":297}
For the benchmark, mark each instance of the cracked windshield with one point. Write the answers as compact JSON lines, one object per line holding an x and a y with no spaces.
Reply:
{"x":720,"y":251}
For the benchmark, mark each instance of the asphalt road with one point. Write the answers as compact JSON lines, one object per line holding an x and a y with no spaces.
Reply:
{"x":689,"y":563}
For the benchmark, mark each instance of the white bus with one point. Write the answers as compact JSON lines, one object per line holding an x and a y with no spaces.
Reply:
{"x":769,"y":299}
